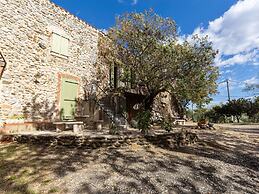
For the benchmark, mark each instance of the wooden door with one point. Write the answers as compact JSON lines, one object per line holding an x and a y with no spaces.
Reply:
{"x":69,"y":94}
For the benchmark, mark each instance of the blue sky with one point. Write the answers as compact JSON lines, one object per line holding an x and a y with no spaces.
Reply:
{"x":232,"y":25}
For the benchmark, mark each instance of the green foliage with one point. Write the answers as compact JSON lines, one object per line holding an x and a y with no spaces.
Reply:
{"x":235,"y":108}
{"x":113,"y":130}
{"x":166,"y":125}
{"x":54,"y":190}
{"x":253,"y":110}
{"x":146,"y":46}
{"x":216,"y":114}
{"x":18,"y":117}
{"x":144,"y":121}
{"x":200,"y":112}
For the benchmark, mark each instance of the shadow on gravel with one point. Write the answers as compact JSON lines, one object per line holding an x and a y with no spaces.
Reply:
{"x":141,"y":170}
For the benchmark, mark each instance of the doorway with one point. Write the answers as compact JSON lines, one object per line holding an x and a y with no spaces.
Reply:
{"x":69,"y":95}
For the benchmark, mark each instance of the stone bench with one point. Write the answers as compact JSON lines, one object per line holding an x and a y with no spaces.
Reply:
{"x":77,"y":125}
{"x":179,"y":122}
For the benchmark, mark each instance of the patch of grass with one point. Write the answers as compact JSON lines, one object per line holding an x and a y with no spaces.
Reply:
{"x":53,"y":190}
{"x":25,"y":172}
{"x":12,"y":178}
{"x":29,"y":191}
{"x":19,"y":188}
{"x":45,"y":182}
{"x":7,"y":151}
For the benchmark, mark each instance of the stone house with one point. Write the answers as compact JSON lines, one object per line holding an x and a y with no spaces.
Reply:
{"x":49,"y":62}
{"x":51,"y":56}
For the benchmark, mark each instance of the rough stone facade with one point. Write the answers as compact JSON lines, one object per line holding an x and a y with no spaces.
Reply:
{"x":163,"y":107}
{"x":30,"y":85}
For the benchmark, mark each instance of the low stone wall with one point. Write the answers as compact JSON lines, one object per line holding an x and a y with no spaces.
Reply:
{"x":170,"y":140}
{"x":173,"y":139}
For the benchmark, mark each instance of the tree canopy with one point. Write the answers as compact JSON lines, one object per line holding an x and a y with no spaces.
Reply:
{"x":148,"y":48}
{"x":236,"y":108}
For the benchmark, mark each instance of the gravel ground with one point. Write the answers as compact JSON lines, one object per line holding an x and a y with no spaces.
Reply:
{"x":224,"y":161}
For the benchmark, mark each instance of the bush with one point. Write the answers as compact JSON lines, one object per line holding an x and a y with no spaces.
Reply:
{"x":113,"y":129}
{"x":134,"y":123}
{"x":144,"y":121}
{"x":166,"y":125}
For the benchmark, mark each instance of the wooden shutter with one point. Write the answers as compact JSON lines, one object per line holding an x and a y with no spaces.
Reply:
{"x":56,"y":43}
{"x":69,"y":92}
{"x":63,"y":46}
{"x":60,"y":44}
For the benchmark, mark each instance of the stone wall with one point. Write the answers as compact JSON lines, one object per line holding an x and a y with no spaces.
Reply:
{"x":31,"y":79}
{"x":169,"y":140}
{"x":163,"y":107}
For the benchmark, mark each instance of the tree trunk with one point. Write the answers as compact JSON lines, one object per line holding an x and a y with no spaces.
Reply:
{"x":237,"y":118}
{"x":148,"y":102}
{"x":177,"y":105}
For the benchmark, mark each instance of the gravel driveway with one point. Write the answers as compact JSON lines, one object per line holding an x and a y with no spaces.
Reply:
{"x":225,"y":161}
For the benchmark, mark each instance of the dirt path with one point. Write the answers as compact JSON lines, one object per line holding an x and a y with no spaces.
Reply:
{"x":225,"y":161}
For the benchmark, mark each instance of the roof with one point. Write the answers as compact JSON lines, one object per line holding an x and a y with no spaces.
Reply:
{"x":77,"y":18}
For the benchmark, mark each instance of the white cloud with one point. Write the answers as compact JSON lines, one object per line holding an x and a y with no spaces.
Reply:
{"x":228,"y":71}
{"x":240,"y":58}
{"x":133,"y":2}
{"x":253,"y":80}
{"x":236,"y":34}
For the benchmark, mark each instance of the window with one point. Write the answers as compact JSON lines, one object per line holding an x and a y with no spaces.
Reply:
{"x":60,"y":44}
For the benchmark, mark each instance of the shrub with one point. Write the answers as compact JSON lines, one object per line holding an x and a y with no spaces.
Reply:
{"x":166,"y":125}
{"x":144,"y":121}
{"x":113,"y":129}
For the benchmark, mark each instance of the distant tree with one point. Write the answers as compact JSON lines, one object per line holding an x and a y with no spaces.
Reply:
{"x":216,"y":114}
{"x":146,"y":46}
{"x":200,"y":112}
{"x":236,"y":108}
{"x":253,"y":109}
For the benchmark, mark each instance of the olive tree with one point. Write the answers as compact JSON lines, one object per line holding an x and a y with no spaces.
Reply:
{"x":147,"y":47}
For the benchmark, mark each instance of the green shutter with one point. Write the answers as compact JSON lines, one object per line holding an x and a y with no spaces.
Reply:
{"x":69,"y":94}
